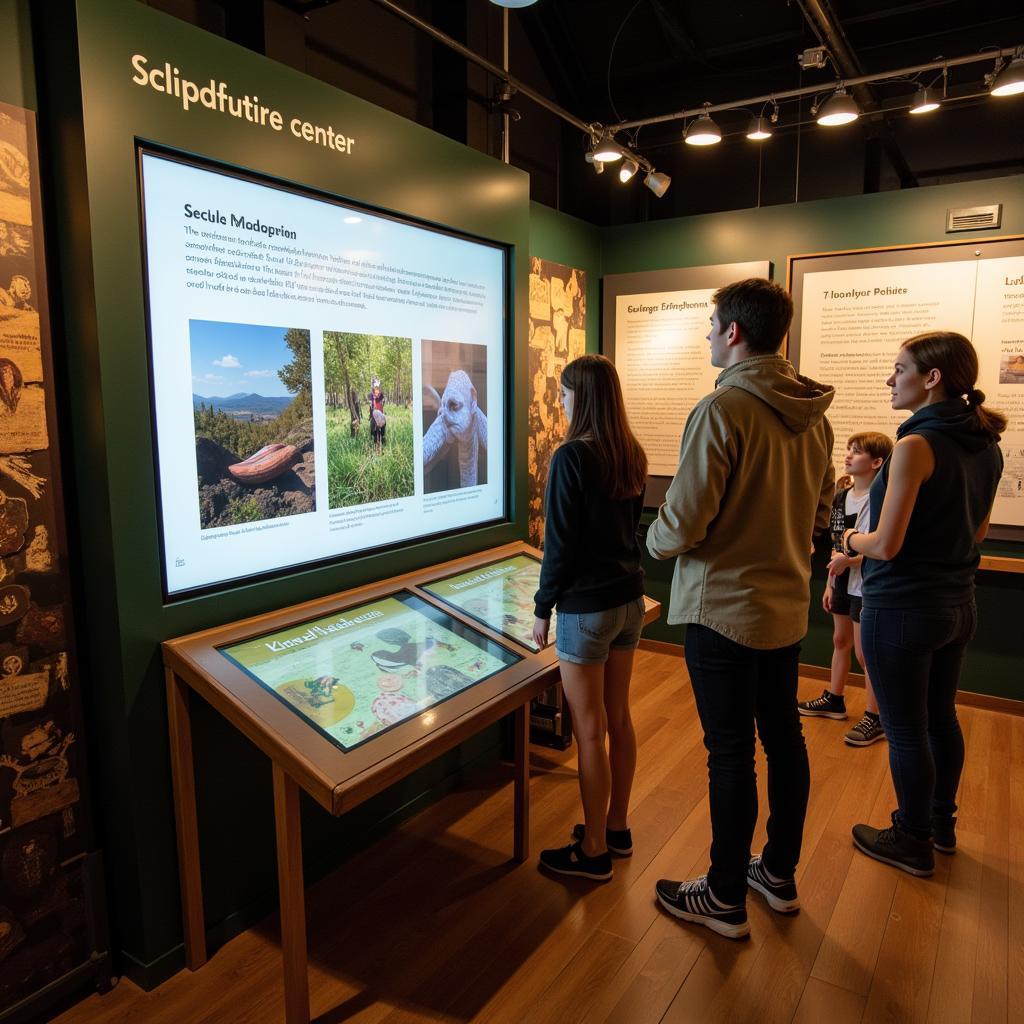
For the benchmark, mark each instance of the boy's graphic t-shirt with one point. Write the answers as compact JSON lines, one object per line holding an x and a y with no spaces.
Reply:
{"x":858,"y":512}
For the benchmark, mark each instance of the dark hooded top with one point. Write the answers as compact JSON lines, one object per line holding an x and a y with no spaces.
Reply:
{"x":935,"y":566}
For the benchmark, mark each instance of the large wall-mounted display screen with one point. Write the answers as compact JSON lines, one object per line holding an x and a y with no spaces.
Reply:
{"x":499,"y":595}
{"x":325,"y":380}
{"x":354,"y":674}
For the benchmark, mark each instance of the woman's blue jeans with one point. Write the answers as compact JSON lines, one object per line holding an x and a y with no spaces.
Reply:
{"x":914,"y":657}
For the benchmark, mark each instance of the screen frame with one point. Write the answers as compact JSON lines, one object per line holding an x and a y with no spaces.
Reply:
{"x":479,"y":640}
{"x":147,"y":148}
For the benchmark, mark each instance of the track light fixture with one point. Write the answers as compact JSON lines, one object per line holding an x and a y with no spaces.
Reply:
{"x":839,"y":108}
{"x":627,"y":170}
{"x":1009,"y":80}
{"x":925,"y":101}
{"x":513,"y":3}
{"x":759,"y":129}
{"x":703,"y":131}
{"x":658,"y":183}
{"x":606,"y":150}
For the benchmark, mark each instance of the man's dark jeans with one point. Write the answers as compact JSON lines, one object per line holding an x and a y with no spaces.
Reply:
{"x":736,"y":686}
{"x":914,"y":659}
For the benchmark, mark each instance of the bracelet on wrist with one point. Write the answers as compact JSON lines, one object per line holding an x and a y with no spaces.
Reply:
{"x":847,"y":549}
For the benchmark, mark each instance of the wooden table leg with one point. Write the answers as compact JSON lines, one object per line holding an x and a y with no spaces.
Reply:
{"x":183,"y":776}
{"x":521,"y":843}
{"x":292,"y":897}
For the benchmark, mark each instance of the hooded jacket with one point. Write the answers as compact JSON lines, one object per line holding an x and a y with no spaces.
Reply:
{"x":935,"y":566}
{"x":754,"y":483}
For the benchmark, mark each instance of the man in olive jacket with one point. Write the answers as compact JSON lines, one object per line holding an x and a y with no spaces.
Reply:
{"x":754,"y":483}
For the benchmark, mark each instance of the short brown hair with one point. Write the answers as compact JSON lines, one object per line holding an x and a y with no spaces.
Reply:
{"x":878,"y":446}
{"x":762,"y":308}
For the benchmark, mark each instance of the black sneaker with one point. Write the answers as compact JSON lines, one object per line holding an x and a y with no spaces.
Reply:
{"x":694,"y":901}
{"x":781,"y":896}
{"x":894,"y":846}
{"x":944,"y":834}
{"x":828,"y":705}
{"x":571,"y":860}
{"x":867,"y":731}
{"x":618,"y":841}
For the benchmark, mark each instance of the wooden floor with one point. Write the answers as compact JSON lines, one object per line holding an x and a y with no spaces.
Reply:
{"x":435,"y":923}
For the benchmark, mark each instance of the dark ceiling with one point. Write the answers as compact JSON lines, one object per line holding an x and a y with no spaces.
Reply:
{"x":612,"y":60}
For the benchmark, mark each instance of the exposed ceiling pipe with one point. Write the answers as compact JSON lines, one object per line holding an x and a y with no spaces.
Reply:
{"x":831,"y":36}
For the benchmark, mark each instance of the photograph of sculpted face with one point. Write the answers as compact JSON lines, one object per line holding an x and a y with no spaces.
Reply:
{"x":253,"y":411}
{"x":454,"y":415}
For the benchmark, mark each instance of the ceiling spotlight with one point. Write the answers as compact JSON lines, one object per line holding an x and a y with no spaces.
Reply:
{"x":1010,"y":81}
{"x":760,"y":128}
{"x":657,"y":183}
{"x":513,"y":3}
{"x":606,"y":150}
{"x":702,"y":132}
{"x":627,"y":170}
{"x":925,"y":101}
{"x":839,"y":108}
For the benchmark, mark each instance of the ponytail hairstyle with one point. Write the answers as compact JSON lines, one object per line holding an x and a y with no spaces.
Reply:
{"x":599,"y":417}
{"x":956,"y":360}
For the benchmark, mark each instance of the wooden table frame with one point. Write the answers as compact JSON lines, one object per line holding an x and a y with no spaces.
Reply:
{"x":303,"y":759}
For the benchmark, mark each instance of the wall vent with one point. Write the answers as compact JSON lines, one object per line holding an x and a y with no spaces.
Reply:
{"x":971,"y":218}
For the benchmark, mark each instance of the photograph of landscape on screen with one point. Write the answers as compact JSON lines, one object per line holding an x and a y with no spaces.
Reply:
{"x":498,"y":595}
{"x":357,"y":673}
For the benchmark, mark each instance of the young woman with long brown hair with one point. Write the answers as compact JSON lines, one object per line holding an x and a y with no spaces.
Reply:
{"x":592,"y":574}
{"x":930,"y":507}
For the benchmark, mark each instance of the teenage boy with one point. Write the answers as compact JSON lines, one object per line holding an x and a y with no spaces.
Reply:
{"x":865,"y":454}
{"x":755,"y":481}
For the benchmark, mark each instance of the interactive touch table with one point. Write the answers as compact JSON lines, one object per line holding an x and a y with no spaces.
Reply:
{"x":348,"y":694}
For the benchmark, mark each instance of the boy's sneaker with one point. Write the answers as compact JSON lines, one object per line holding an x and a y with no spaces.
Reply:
{"x":618,"y":841}
{"x":944,"y":834}
{"x":694,"y":901}
{"x":571,"y":860}
{"x":867,"y":731}
{"x":781,"y":896}
{"x":828,"y":705}
{"x":894,"y":846}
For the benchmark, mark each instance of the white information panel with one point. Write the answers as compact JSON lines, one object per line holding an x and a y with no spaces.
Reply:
{"x":325,"y":380}
{"x":852,"y":320}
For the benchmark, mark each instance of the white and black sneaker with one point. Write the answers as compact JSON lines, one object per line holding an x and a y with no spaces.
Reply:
{"x":828,"y":705}
{"x":867,"y":731}
{"x":694,"y":901}
{"x":571,"y":860}
{"x":781,"y":895}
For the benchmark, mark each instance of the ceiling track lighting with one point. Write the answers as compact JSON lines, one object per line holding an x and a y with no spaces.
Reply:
{"x":1009,"y":80}
{"x":627,"y":170}
{"x":514,"y":4}
{"x":839,"y":108}
{"x":657,"y":183}
{"x":703,"y":131}
{"x":606,"y":150}
{"x":760,"y":128}
{"x":925,"y":101}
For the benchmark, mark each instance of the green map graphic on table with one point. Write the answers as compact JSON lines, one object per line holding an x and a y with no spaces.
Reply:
{"x":356,"y":673}
{"x":498,"y":595}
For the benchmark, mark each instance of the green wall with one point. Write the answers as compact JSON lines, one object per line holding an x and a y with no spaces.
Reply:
{"x":94,"y":115}
{"x":17,"y":71}
{"x":887,"y":218}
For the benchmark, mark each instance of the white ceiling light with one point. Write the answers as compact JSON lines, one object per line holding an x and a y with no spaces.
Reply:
{"x":606,"y":150}
{"x":702,"y":132}
{"x":1010,"y":81}
{"x":513,"y":3}
{"x":627,"y":170}
{"x":925,"y":101}
{"x":759,"y":129}
{"x":839,"y":108}
{"x":658,"y":183}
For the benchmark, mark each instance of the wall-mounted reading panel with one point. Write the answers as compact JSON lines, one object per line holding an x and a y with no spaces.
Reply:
{"x":326,"y":380}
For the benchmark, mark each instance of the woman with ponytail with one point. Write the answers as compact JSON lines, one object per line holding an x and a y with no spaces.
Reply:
{"x":592,"y":574}
{"x":930,"y":507}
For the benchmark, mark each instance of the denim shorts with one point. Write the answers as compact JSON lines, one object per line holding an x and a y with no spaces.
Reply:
{"x":584,"y":638}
